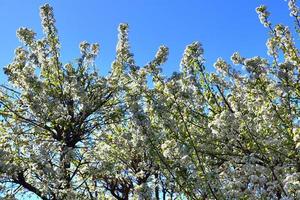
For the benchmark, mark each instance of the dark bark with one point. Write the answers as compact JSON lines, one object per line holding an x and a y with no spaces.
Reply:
{"x":20,"y":179}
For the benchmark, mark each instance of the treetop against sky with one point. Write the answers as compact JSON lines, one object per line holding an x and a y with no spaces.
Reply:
{"x":223,"y":27}
{"x":228,"y":132}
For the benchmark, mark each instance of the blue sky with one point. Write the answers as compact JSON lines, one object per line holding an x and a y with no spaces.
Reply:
{"x":222,"y":26}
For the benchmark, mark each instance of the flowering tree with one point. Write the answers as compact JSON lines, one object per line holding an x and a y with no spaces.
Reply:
{"x":69,"y":133}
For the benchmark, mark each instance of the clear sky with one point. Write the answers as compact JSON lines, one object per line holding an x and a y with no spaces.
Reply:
{"x":222,"y":26}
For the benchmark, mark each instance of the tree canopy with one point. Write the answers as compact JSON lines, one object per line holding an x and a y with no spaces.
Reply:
{"x":67,"y":132}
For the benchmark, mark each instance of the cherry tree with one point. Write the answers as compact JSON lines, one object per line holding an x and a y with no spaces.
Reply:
{"x":68,"y":132}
